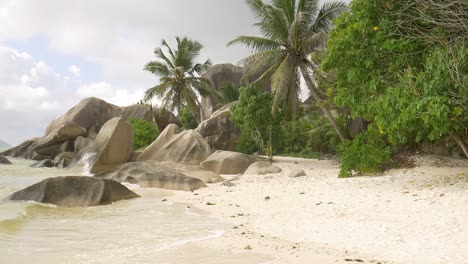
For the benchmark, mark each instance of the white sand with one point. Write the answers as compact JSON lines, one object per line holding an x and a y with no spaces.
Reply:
{"x":417,"y":215}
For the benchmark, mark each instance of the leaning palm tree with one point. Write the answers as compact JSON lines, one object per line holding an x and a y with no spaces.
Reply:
{"x":180,"y":78}
{"x":291,"y":30}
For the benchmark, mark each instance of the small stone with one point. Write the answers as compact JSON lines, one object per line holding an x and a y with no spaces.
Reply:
{"x":267,"y":198}
{"x":248,"y":247}
{"x":164,"y":200}
{"x":297,"y":174}
{"x":318,"y":203}
{"x":302,"y":193}
{"x":208,"y":203}
{"x":442,"y":194}
{"x":243,"y":233}
{"x":228,"y":184}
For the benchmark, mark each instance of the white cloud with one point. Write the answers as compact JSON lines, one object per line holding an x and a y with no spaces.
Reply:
{"x":32,"y":94}
{"x":73,"y":69}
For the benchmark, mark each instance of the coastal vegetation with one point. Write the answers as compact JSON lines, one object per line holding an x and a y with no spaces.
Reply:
{"x":180,"y":77}
{"x":398,"y":67}
{"x":144,"y":133}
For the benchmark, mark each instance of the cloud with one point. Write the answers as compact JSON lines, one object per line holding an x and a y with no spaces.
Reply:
{"x":33,"y":94}
{"x":73,"y":69}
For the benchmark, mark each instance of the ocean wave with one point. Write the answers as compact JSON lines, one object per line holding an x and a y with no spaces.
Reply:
{"x":182,"y":242}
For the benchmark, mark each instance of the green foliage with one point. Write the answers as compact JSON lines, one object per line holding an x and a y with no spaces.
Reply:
{"x":290,"y":31}
{"x":145,"y":133}
{"x":410,"y":82}
{"x":252,"y":115}
{"x":366,"y":154}
{"x":308,"y":137}
{"x":229,"y":93}
{"x":187,"y":119}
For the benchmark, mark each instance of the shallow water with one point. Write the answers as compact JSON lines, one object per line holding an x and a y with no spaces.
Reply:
{"x":143,"y":230}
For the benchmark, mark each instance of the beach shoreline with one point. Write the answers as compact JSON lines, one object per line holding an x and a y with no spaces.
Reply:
{"x":411,"y":215}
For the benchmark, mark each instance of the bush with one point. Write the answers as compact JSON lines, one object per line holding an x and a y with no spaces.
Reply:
{"x":366,"y":154}
{"x":252,"y":115}
{"x":187,"y":119}
{"x":145,"y":133}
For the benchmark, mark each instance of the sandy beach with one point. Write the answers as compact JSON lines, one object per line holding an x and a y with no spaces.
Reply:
{"x":416,"y":215}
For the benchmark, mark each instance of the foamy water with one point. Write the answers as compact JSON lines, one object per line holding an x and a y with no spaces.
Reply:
{"x":143,"y":230}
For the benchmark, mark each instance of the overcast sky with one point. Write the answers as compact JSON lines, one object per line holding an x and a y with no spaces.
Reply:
{"x":53,"y":53}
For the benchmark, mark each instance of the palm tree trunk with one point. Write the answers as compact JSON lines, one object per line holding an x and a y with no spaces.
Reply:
{"x":325,"y":111}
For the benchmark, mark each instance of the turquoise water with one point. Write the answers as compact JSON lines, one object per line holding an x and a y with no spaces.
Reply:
{"x":143,"y":230}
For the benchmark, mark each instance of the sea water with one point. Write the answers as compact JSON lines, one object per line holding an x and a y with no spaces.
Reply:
{"x":142,"y":230}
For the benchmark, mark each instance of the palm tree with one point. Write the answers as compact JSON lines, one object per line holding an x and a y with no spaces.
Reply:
{"x":180,"y":78}
{"x":291,"y":30}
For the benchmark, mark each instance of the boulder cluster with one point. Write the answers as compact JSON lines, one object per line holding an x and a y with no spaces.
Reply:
{"x":99,"y":133}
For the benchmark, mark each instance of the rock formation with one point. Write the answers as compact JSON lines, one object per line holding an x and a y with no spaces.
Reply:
{"x":227,"y":162}
{"x":163,"y":118}
{"x":262,"y":168}
{"x":187,"y":147}
{"x":113,"y":145}
{"x":74,"y":191}
{"x":219,"y":131}
{"x":4,"y":161}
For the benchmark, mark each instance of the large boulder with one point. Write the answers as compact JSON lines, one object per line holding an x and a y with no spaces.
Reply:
{"x":219,"y":75}
{"x":187,"y":147}
{"x":139,"y":111}
{"x":166,"y":175}
{"x":227,"y":162}
{"x":90,"y":114}
{"x":23,"y":150}
{"x":4,"y":161}
{"x":113,"y":145}
{"x":219,"y":131}
{"x":163,"y":118}
{"x":122,"y":172}
{"x":81,"y":143}
{"x":262,"y":168}
{"x":74,"y":191}
{"x":63,"y":160}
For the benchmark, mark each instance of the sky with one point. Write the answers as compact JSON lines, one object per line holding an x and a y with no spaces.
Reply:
{"x":53,"y":53}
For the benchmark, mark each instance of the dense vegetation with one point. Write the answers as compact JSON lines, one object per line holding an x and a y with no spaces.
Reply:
{"x":401,"y":66}
{"x":144,"y":133}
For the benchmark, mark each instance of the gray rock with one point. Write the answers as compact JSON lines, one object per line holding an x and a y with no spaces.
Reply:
{"x":297,"y":173}
{"x":163,"y":118}
{"x":4,"y":161}
{"x":48,"y":163}
{"x":63,"y":160}
{"x":139,"y":111}
{"x":219,"y":131}
{"x":228,"y":162}
{"x":187,"y":147}
{"x":262,"y":168}
{"x":113,"y":145}
{"x":75,"y":191}
{"x":137,"y":169}
{"x":167,"y":180}
{"x":81,"y":143}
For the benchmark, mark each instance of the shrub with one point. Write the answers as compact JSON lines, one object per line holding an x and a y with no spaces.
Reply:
{"x":187,"y":119}
{"x":252,"y":115}
{"x":145,"y":133}
{"x":366,"y":154}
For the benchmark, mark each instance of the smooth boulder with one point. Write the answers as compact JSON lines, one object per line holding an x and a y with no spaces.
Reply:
{"x":262,"y":168}
{"x":47,"y":163}
{"x":219,"y":131}
{"x":163,"y":118}
{"x":136,"y":169}
{"x":4,"y":161}
{"x":186,"y":146}
{"x":228,"y":162}
{"x":113,"y":145}
{"x":297,"y":173}
{"x":75,"y":191}
{"x":168,"y":181}
{"x":139,"y":111}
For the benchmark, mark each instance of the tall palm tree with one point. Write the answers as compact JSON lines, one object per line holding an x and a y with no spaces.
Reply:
{"x":291,"y":30}
{"x":180,"y":78}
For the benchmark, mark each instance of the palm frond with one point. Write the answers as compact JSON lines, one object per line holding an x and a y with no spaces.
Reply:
{"x":328,"y":12}
{"x":308,"y":8}
{"x":158,"y":68}
{"x":256,"y":44}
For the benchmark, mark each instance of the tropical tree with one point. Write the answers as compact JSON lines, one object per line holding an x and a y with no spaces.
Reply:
{"x":291,"y":30}
{"x":180,"y":78}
